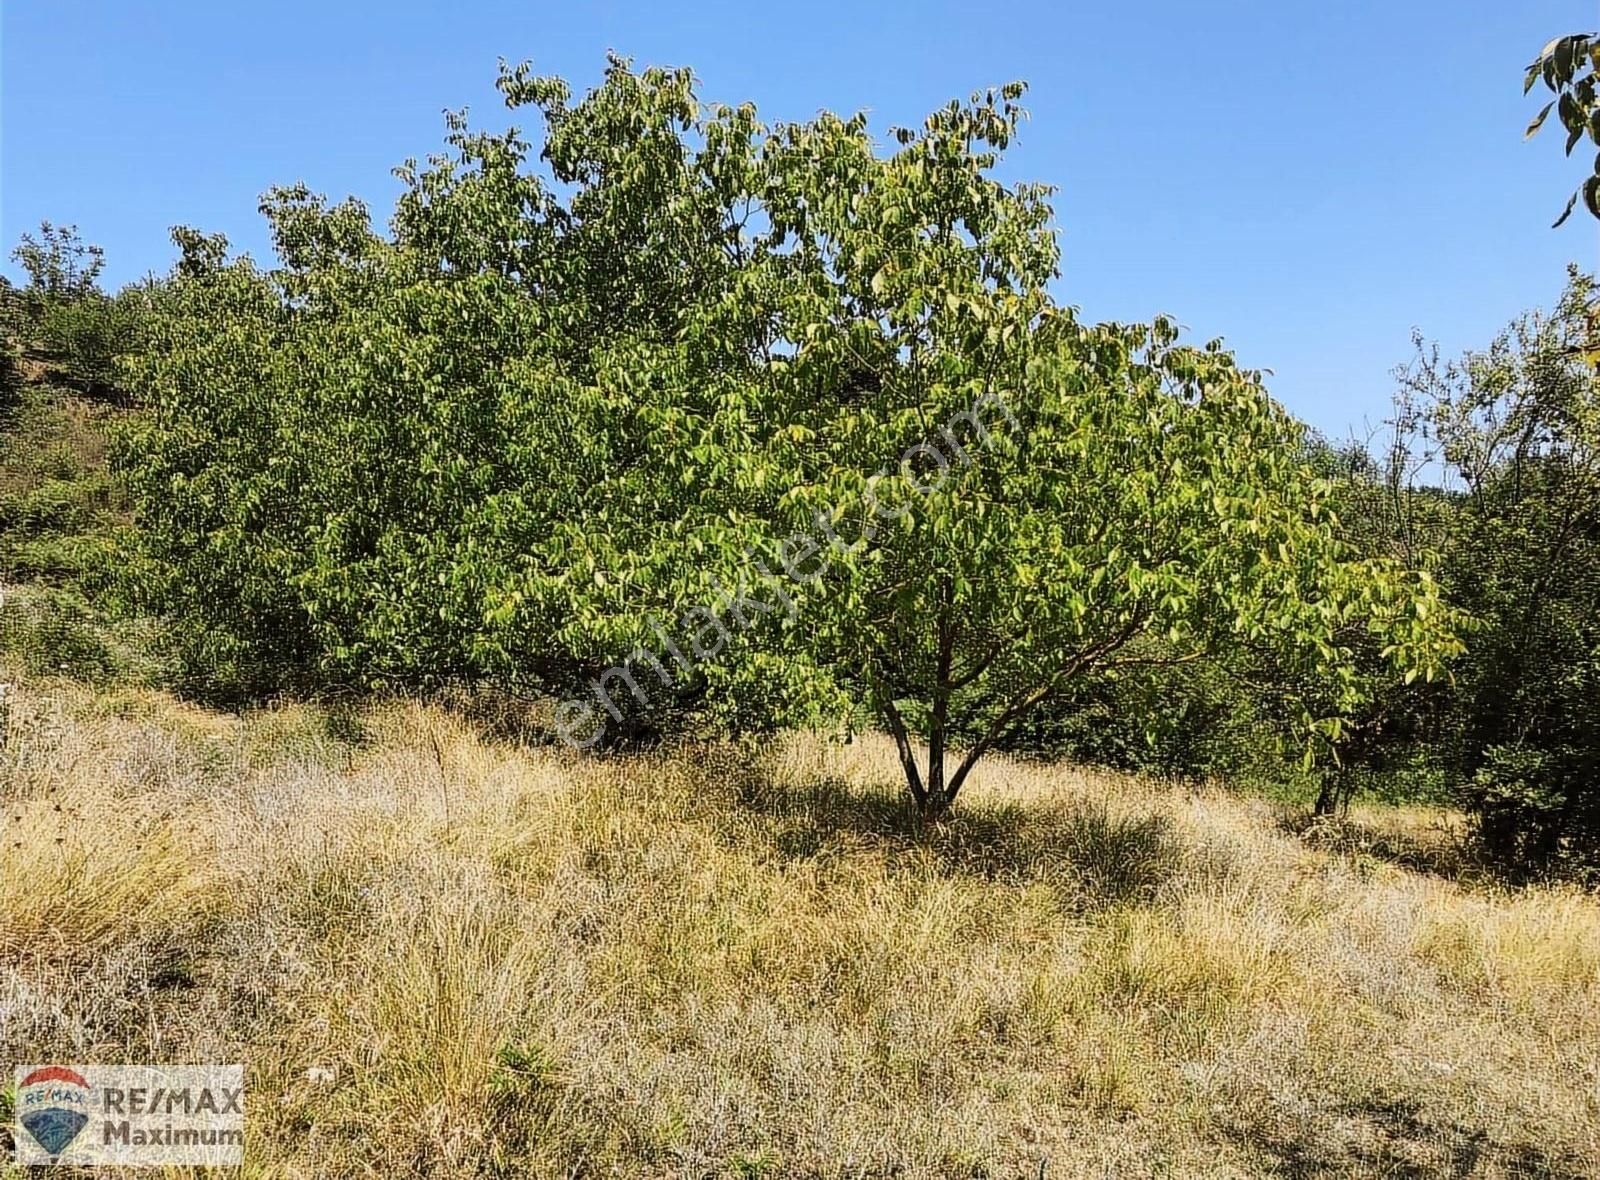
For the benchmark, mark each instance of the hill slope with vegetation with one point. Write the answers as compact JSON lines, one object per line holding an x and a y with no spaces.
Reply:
{"x":1277,"y":760}
{"x":63,"y":512}
{"x":447,"y":954}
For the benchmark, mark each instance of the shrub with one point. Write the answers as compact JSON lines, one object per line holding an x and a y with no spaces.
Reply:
{"x":1537,"y":810}
{"x":55,"y":633}
{"x":87,"y":336}
{"x":56,"y":506}
{"x":47,"y":632}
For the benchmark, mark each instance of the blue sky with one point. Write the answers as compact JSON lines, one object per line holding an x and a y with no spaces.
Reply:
{"x":1309,"y":181}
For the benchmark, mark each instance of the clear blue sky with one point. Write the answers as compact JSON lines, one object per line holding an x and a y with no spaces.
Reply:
{"x":1307,"y":180}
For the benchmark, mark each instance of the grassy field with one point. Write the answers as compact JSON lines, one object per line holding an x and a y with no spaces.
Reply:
{"x":439,"y":953}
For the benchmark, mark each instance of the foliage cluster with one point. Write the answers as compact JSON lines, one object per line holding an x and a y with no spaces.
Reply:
{"x":67,"y":317}
{"x":1569,"y":67}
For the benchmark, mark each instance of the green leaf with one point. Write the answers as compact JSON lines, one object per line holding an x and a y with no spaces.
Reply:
{"x":1562,"y":56}
{"x":1567,"y":108}
{"x":1538,"y":120}
{"x":1552,"y":80}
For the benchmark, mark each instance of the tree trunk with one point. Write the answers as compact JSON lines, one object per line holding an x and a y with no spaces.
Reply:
{"x":939,"y":798}
{"x":936,"y":794}
{"x":1333,"y":796}
{"x":908,"y":756}
{"x":932,"y":794}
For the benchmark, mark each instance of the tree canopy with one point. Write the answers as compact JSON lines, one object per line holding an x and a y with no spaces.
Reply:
{"x":759,"y":422}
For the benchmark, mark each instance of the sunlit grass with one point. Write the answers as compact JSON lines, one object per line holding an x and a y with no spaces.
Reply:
{"x":444,"y":955}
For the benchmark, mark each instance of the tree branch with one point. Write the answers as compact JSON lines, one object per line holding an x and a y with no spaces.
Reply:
{"x":1028,"y":700}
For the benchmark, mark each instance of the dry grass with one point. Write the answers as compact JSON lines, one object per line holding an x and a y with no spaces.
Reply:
{"x":443,"y":955}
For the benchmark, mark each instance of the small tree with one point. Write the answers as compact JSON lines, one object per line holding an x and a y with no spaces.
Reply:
{"x":60,"y":265}
{"x":68,"y":315}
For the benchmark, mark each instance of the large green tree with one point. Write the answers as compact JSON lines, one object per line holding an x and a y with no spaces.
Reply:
{"x":978,"y":501}
{"x":758,"y":421}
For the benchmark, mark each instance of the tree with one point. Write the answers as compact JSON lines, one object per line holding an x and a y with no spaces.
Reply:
{"x":1145,"y":491}
{"x":977,"y":500}
{"x":1517,"y":427}
{"x":1569,"y":67}
{"x":732,"y":422}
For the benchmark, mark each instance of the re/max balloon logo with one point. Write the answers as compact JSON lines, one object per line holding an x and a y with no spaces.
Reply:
{"x":53,"y":1107}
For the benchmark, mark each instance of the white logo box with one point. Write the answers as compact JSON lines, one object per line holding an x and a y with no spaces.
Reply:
{"x":129,"y":1115}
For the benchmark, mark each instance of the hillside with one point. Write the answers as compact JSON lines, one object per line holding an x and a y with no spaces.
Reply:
{"x":440,"y":953}
{"x":60,"y":511}
{"x":678,"y":650}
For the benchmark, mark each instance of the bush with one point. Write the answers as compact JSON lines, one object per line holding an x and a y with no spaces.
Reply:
{"x":56,"y":506}
{"x":1537,"y":811}
{"x":87,"y":335}
{"x":10,"y":371}
{"x":57,"y":633}
{"x":1190,"y":721}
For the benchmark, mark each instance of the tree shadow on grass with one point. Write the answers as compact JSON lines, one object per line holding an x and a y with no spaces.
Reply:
{"x":1438,"y":853}
{"x":1106,"y":858}
{"x":1394,"y":1138}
